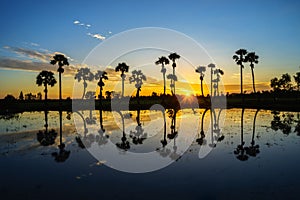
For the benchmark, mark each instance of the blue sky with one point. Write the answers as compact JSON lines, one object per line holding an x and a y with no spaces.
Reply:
{"x":270,"y":28}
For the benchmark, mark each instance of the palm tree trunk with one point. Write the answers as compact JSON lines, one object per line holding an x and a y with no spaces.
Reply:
{"x":211,"y":85}
{"x":174,"y":80}
{"x":101,"y":97}
{"x":84,"y":87}
{"x":122,"y":85}
{"x":253,"y":81}
{"x":164,"y":76}
{"x":138,"y":95}
{"x":59,"y":74}
{"x":242,"y":84}
{"x":46,"y":91}
{"x":202,"y":88}
{"x":46,"y":121}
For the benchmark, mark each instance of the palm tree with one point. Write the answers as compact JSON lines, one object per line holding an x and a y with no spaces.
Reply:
{"x":84,"y":74}
{"x":45,"y":78}
{"x":216,"y":81}
{"x":122,"y":67}
{"x":201,"y":70}
{"x":173,"y":57}
{"x":252,"y":58}
{"x":61,"y":60}
{"x":137,"y":77}
{"x":239,"y":58}
{"x":211,"y":66}
{"x":253,"y":150}
{"x":100,"y":75}
{"x":173,"y":78}
{"x":240,"y":150}
{"x":163,"y":61}
{"x":200,"y":140}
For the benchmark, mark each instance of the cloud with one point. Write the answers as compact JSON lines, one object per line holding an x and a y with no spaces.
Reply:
{"x":76,"y":22}
{"x":29,"y":53}
{"x":97,"y":36}
{"x":29,"y":65}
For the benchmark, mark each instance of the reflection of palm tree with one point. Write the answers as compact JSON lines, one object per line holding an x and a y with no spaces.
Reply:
{"x":61,"y":60}
{"x":253,"y":150}
{"x":85,"y":131}
{"x":240,"y":150}
{"x":217,"y":127}
{"x":239,"y":58}
{"x":174,"y":57}
{"x":45,"y":78}
{"x":252,"y":58}
{"x":101,"y":138}
{"x":138,"y":136}
{"x":164,"y":142}
{"x":212,"y":125}
{"x":84,"y":74}
{"x":137,"y":77}
{"x":62,"y":155}
{"x":163,"y":61}
{"x":124,"y":143}
{"x":201,"y":70}
{"x":172,"y":114}
{"x":46,"y":138}
{"x":122,"y":67}
{"x":283,"y":125}
{"x":101,"y":75}
{"x":200,"y":140}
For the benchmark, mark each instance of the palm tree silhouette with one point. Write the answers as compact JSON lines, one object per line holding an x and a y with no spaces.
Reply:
{"x":164,"y":142}
{"x":252,"y":58}
{"x":211,"y":66}
{"x":163,"y":61}
{"x":101,"y":75}
{"x":239,"y":58}
{"x":61,"y":60}
{"x":46,"y":137}
{"x":216,"y":81}
{"x":200,"y":140}
{"x":124,"y":143}
{"x":173,"y":78}
{"x":201,"y":70}
{"x":84,"y":74}
{"x":122,"y":67}
{"x":138,"y":136}
{"x":174,"y":57}
{"x":45,"y":78}
{"x":240,"y":150}
{"x":138,"y":77}
{"x":253,"y":150}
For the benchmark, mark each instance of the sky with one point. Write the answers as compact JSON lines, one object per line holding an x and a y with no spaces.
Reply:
{"x":33,"y":31}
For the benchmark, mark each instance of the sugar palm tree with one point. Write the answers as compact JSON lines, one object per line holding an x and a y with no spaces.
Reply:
{"x":84,"y":74}
{"x":61,"y":60}
{"x":253,"y":59}
{"x":137,"y":77}
{"x":239,"y":58}
{"x":174,"y":57}
{"x":201,"y":70}
{"x":216,"y":81}
{"x":122,"y":67}
{"x":163,"y":61}
{"x":211,"y":66}
{"x":101,"y":75}
{"x":45,"y":78}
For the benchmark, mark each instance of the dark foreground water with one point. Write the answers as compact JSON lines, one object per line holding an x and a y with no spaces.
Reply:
{"x":228,"y":160}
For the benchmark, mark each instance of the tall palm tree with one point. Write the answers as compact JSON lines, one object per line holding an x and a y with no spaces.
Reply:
{"x":211,"y":66}
{"x":201,"y":70}
{"x":174,"y":57}
{"x":137,"y":77}
{"x":173,"y":78}
{"x":45,"y":78}
{"x":122,"y":67}
{"x":101,"y":75}
{"x":216,"y":81}
{"x":84,"y":74}
{"x":253,"y":59}
{"x":61,"y":60}
{"x":163,"y":61}
{"x":239,"y":58}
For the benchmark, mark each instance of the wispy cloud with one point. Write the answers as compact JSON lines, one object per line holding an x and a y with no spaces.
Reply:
{"x":29,"y":65}
{"x":97,"y":36}
{"x":76,"y":22}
